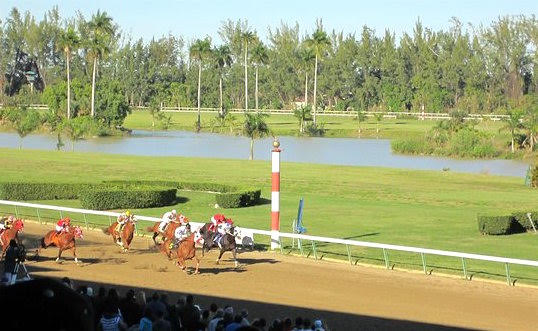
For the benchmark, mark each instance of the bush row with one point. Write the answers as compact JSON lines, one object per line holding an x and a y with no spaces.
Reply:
{"x":506,"y":224}
{"x":127,"y":197}
{"x":228,"y":196}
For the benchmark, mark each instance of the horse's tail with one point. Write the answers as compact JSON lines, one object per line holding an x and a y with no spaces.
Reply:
{"x":106,"y":230}
{"x":42,"y":243}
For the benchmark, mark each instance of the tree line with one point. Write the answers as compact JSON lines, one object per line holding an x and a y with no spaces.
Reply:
{"x":478,"y":69}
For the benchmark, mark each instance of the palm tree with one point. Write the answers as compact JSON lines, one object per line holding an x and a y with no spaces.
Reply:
{"x":303,"y":114}
{"x":247,"y":37}
{"x":254,"y":128}
{"x":259,"y":57}
{"x":306,"y":55}
{"x":199,"y":51}
{"x":513,"y":123}
{"x":68,"y":41}
{"x":319,"y":42}
{"x":223,"y":58}
{"x":101,"y":31}
{"x":361,"y":117}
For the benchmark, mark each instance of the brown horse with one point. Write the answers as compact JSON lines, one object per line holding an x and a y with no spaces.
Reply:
{"x":168,"y":231}
{"x":11,"y":233}
{"x":187,"y":251}
{"x":124,"y":238}
{"x":63,"y":240}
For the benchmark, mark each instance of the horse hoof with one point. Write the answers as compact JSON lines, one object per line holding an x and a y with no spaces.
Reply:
{"x":57,"y":260}
{"x":236,"y":264}
{"x":76,"y":260}
{"x":217,"y":262}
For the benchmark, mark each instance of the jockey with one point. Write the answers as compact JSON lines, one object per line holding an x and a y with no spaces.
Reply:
{"x":216,"y":220}
{"x":6,"y":223}
{"x":168,"y":217}
{"x":63,"y":224}
{"x":182,"y":232}
{"x":223,"y":228}
{"x":122,"y":219}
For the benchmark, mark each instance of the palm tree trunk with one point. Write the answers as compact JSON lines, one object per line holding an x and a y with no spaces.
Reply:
{"x":246,"y":77}
{"x":198,"y":125}
{"x":315,"y":87}
{"x":256,"y":92}
{"x":93,"y":86}
{"x":301,"y":128}
{"x":220,"y":87}
{"x":306,"y":89}
{"x":68,"y":89}
{"x":251,"y":157}
{"x":512,"y":144}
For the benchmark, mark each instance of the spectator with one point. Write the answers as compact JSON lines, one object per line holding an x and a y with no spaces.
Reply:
{"x":160,"y":324}
{"x":287,"y":324}
{"x":146,"y":322}
{"x":190,"y":315}
{"x":212,"y":310}
{"x":236,"y":324}
{"x":10,"y":263}
{"x":111,"y":319}
{"x":155,"y":305}
{"x":212,"y":326}
{"x":306,"y":324}
{"x":99,"y":302}
{"x":67,"y":282}
{"x":205,"y":318}
{"x":173,"y":317}
{"x":130,"y":309}
{"x":276,"y":325}
{"x":227,"y":319}
{"x":298,"y":324}
{"x":318,"y":326}
{"x":244,"y":320}
{"x":141,"y":298}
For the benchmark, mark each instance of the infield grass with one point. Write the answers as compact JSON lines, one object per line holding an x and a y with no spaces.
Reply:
{"x":404,"y":207}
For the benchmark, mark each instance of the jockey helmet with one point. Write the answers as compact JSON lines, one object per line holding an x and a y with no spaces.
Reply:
{"x":229,"y":221}
{"x":128,"y":213}
{"x":174,"y":212}
{"x":11,"y":218}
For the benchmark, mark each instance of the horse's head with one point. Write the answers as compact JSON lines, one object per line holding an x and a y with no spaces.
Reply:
{"x":77,"y":231}
{"x":198,"y":238}
{"x":18,"y":225}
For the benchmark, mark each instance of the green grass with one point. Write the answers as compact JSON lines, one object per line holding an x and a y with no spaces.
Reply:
{"x":414,"y":208}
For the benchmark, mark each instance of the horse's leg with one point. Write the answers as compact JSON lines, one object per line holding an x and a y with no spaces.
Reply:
{"x":155,"y":235}
{"x":59,"y":254}
{"x":75,"y":252}
{"x":197,"y":265}
{"x":220,"y":255}
{"x":234,"y":252}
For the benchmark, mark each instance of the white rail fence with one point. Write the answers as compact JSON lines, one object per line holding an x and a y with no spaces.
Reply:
{"x":300,"y":237}
{"x":418,"y":115}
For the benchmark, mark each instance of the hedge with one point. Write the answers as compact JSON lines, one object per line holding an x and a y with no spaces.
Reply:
{"x":523,"y":221}
{"x":230,"y":196}
{"x":42,"y":191}
{"x":237,"y":200}
{"x":127,"y":197}
{"x":495,"y":225}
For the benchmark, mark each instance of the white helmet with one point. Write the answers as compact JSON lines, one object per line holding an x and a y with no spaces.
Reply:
{"x":174,"y":211}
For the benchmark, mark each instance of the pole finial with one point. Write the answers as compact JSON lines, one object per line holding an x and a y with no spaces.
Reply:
{"x":276,"y":143}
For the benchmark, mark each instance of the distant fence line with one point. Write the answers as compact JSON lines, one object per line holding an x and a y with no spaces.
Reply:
{"x":418,"y":115}
{"x":312,"y":239}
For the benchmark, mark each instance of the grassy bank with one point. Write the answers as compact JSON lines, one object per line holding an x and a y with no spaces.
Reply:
{"x":416,"y":208}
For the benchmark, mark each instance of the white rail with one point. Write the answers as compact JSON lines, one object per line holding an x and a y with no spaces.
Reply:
{"x":313,"y":239}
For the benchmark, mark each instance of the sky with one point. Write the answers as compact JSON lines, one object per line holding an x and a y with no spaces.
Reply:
{"x":196,"y":18}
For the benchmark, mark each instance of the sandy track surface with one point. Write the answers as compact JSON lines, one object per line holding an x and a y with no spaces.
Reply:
{"x":272,"y":285}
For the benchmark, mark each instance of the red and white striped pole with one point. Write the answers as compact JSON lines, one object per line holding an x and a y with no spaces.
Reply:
{"x":275,"y":195}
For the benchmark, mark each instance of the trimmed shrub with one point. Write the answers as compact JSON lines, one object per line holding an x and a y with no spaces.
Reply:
{"x":496,"y":225}
{"x":42,"y":191}
{"x":522,"y":219}
{"x":239,"y":199}
{"x":127,"y":197}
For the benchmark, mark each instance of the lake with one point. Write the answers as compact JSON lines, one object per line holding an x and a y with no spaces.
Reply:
{"x":339,"y":151}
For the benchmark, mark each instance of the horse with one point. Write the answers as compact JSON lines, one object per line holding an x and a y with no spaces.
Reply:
{"x":124,"y":238}
{"x":187,"y":251}
{"x":63,"y":240}
{"x":168,"y":231}
{"x":227,"y":242}
{"x":11,"y":233}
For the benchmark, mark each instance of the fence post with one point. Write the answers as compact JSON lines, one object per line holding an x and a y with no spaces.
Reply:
{"x":300,"y":245}
{"x":16,"y":212}
{"x":85,"y":221}
{"x":386,"y":257}
{"x":507,"y":267}
{"x":314,"y":249}
{"x":109,"y":220}
{"x":348,"y":254}
{"x":423,"y":263}
{"x":38,"y":216}
{"x":464,"y":268}
{"x":61,"y":215}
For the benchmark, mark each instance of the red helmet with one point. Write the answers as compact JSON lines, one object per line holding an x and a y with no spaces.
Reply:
{"x":229,"y":221}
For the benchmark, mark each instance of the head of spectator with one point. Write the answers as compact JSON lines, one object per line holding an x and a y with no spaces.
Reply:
{"x":164,"y":299}
{"x":181,"y":302}
{"x":287,"y":324}
{"x":155,"y":296}
{"x":102,"y":292}
{"x":229,"y":310}
{"x":219,"y":313}
{"x":205,"y":315}
{"x":318,"y":325}
{"x":213,"y":307}
{"x":130,"y":295}
{"x":298,"y":323}
{"x":307,"y":324}
{"x":113,"y":295}
{"x":190,"y":300}
{"x":67,"y":282}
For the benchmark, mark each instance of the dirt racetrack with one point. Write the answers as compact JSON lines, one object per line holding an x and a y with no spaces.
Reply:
{"x":274,"y":286}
